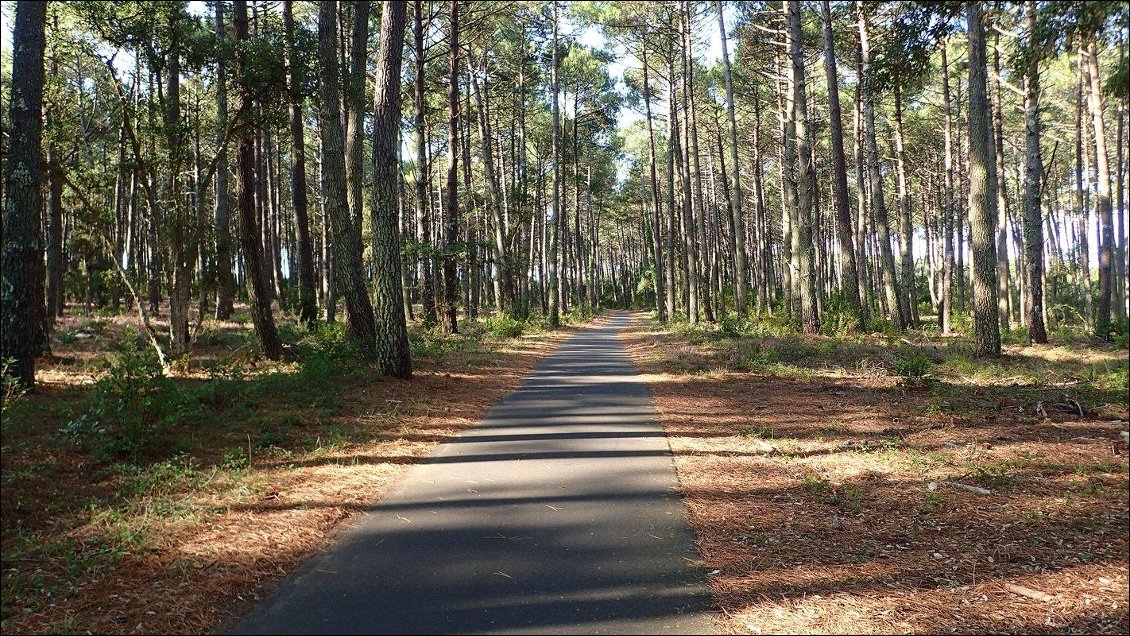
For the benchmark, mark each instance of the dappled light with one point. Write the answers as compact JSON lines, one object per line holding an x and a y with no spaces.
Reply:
{"x":830,"y":496}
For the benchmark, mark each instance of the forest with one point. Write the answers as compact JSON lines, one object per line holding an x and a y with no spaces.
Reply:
{"x":866,"y":255}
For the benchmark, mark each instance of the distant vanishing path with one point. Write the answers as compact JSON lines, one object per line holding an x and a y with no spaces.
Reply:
{"x":558,"y":513}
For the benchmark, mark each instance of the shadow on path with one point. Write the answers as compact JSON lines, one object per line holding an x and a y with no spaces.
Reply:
{"x":559,"y":513}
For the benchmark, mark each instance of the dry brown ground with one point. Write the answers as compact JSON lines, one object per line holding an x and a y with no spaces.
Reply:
{"x":186,"y":544}
{"x":823,"y":501}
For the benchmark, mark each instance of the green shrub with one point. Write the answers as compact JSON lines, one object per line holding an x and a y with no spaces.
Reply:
{"x":11,"y":389}
{"x":730,"y":328}
{"x":913,"y":367}
{"x":503,"y":325}
{"x":131,"y":404}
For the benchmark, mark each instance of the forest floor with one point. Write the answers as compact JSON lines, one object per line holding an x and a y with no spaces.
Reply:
{"x":898,"y":484}
{"x":136,"y":503}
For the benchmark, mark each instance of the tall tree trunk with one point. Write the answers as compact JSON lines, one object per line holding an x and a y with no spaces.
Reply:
{"x":1033,"y":184}
{"x":393,"y":355}
{"x":56,"y":260}
{"x":1103,"y":209}
{"x":503,"y":284}
{"x":23,"y":285}
{"x":809,"y":316}
{"x":1081,"y":197}
{"x":661,"y":309}
{"x":1003,"y":275}
{"x":737,"y":240}
{"x":423,"y":223}
{"x":225,"y":279}
{"x":184,"y":231}
{"x":982,"y":195}
{"x":882,"y":222}
{"x":906,"y":228}
{"x":347,"y":252}
{"x":551,"y":240}
{"x":252,"y":250}
{"x":451,"y":210}
{"x":691,"y":123}
{"x":308,"y":311}
{"x":948,"y":213}
{"x":850,"y":281}
{"x":669,"y":158}
{"x":682,"y":155}
{"x":355,"y":116}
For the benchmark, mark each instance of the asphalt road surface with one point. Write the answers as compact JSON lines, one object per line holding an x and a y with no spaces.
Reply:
{"x":557,"y":514}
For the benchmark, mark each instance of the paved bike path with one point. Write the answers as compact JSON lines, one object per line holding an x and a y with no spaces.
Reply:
{"x":558,"y":513}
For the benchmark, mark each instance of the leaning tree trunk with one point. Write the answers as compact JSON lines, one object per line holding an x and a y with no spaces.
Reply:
{"x":393,"y":355}
{"x":1033,"y":186}
{"x":248,"y":223}
{"x":347,"y":251}
{"x":307,"y":308}
{"x":22,"y":288}
{"x":982,"y":192}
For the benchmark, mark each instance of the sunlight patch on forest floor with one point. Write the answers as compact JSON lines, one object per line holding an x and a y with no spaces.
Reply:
{"x":252,"y":469}
{"x":829,"y":480}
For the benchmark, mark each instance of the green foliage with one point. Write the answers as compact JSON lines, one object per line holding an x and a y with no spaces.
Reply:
{"x":328,"y":342}
{"x":838,"y":319}
{"x":730,"y":327}
{"x":11,"y":389}
{"x":503,"y":325}
{"x":914,"y":367}
{"x":433,"y":343}
{"x":131,"y":403}
{"x":931,"y":501}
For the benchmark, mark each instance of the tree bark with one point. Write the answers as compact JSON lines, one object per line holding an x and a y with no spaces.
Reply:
{"x":347,"y":252}
{"x":308,"y":311}
{"x":225,"y":279}
{"x":252,"y":250}
{"x":1103,"y":209}
{"x":948,"y":216}
{"x":906,"y":244}
{"x":423,"y":223}
{"x":982,"y":195}
{"x":23,"y":285}
{"x":1033,"y":185}
{"x":882,"y":222}
{"x":355,"y":116}
{"x":737,"y":237}
{"x":555,"y":208}
{"x":850,"y":281}
{"x":393,"y":355}
{"x":503,"y":284}
{"x":451,"y":210}
{"x":809,"y":315}
{"x":661,"y":308}
{"x":1003,"y":275}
